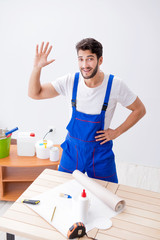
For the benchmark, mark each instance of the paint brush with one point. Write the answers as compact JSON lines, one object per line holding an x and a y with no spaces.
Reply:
{"x":65,"y":195}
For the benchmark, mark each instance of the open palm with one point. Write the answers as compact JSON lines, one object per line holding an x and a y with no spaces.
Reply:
{"x":42,"y":55}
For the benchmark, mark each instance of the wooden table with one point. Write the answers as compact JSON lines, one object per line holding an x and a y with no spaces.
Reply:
{"x":17,"y":173}
{"x":140,"y":219}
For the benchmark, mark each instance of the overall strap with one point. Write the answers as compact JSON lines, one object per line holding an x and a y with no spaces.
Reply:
{"x":74,"y":93}
{"x":108,"y":91}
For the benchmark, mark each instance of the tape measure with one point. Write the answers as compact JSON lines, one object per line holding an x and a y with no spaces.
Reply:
{"x":78,"y":229}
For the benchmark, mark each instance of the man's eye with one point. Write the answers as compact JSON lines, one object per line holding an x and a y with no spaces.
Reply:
{"x":80,"y":59}
{"x":90,"y":59}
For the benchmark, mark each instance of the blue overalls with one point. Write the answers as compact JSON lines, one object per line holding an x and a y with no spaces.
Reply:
{"x":80,"y":150}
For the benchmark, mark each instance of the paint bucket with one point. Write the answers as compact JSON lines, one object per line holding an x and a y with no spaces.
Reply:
{"x":5,"y":147}
{"x":43,"y":148}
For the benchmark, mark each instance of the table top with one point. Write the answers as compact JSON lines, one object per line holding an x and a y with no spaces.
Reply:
{"x":140,"y":219}
{"x":13,"y":160}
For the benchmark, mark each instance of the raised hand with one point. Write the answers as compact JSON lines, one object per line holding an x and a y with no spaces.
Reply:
{"x":42,"y":55}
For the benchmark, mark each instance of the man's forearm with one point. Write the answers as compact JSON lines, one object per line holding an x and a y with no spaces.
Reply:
{"x":34,"y":83}
{"x":138,"y":111}
{"x":131,"y":120}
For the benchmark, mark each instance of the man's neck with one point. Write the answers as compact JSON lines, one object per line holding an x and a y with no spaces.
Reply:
{"x":95,"y":81}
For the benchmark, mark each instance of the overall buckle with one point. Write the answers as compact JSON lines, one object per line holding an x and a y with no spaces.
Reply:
{"x":105,"y":105}
{"x":73,"y":102}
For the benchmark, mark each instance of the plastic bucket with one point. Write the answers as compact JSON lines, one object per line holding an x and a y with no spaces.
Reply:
{"x":5,"y":147}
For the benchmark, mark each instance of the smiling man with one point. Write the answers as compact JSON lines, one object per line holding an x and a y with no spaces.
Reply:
{"x":93,"y":96}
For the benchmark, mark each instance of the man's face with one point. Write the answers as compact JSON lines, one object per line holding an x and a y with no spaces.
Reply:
{"x":88,"y":63}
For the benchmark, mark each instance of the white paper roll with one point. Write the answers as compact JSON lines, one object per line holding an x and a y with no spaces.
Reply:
{"x":109,"y":198}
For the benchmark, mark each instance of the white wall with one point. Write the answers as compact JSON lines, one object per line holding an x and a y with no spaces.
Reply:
{"x":130,"y":33}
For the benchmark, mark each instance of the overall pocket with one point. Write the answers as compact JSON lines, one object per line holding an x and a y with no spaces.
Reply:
{"x":84,"y":127}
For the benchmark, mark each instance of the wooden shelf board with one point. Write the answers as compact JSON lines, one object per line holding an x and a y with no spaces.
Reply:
{"x":22,"y":174}
{"x":14,"y":190}
{"x":13,"y":160}
{"x":14,"y":180}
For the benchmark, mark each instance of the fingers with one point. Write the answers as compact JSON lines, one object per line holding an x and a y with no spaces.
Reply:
{"x":37,"y":49}
{"x":49,"y":50}
{"x":43,"y":50}
{"x":50,"y":61}
{"x":104,"y":142}
{"x":102,"y":137}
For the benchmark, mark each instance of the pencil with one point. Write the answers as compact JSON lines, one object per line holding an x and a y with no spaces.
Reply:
{"x":53,"y":213}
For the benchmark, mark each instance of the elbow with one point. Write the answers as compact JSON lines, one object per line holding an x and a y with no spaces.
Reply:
{"x":142,"y":111}
{"x":33,"y":95}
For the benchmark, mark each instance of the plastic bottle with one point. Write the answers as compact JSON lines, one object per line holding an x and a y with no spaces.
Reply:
{"x":83,"y":204}
{"x":26,"y":144}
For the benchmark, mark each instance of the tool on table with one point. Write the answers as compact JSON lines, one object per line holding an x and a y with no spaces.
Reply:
{"x":78,"y":229}
{"x":65,"y":195}
{"x":53,"y":213}
{"x":30,"y":201}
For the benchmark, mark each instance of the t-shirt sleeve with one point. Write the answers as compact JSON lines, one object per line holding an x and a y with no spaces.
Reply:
{"x":125,"y":96}
{"x":63,"y":84}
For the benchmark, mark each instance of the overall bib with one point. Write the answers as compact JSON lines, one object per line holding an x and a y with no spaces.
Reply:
{"x":80,"y":150}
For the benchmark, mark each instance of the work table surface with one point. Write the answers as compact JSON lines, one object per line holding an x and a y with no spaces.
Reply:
{"x":140,"y":219}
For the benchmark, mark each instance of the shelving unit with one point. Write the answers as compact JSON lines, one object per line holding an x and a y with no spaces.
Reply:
{"x":17,"y":173}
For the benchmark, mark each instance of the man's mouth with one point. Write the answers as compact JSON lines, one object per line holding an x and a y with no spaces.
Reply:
{"x":86,"y":70}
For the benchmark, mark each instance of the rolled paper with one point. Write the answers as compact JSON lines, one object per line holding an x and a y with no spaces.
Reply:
{"x":109,"y":198}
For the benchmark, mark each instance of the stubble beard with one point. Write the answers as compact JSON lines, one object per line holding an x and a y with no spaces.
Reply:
{"x":93,"y":73}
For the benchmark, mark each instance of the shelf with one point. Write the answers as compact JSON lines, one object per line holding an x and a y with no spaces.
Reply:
{"x":17,"y":173}
{"x":13,"y":191}
{"x":22,"y":174}
{"x":13,"y":160}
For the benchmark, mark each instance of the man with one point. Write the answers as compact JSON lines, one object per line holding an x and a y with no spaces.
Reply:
{"x":93,"y":95}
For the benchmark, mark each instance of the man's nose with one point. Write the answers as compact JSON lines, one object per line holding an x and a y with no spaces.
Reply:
{"x":85,"y":64}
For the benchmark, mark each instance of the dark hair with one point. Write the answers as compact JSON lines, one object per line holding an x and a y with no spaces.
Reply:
{"x":90,"y":44}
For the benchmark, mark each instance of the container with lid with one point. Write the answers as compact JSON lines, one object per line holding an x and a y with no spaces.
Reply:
{"x":26,"y":144}
{"x":54,"y":154}
{"x":43,"y":148}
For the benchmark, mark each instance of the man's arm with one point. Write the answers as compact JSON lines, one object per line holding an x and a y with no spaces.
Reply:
{"x":35,"y":89}
{"x":138,"y":111}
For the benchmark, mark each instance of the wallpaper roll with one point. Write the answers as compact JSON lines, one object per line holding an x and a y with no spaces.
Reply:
{"x":109,"y":198}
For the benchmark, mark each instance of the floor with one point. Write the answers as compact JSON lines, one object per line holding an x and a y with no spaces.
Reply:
{"x":129,"y":174}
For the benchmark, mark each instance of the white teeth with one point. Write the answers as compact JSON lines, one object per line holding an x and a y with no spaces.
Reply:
{"x":86,"y":70}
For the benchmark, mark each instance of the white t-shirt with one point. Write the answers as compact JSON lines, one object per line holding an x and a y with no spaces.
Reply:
{"x":90,"y":100}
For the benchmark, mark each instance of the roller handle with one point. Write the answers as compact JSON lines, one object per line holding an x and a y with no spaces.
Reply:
{"x":11,"y":131}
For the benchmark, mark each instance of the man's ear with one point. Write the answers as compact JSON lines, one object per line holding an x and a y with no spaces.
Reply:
{"x":100,"y":60}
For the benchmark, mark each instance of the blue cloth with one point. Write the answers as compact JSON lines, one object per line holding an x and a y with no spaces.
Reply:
{"x":80,"y":150}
